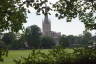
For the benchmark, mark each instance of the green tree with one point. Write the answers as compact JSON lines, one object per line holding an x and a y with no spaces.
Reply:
{"x":87,"y":37}
{"x":32,"y":35}
{"x":22,"y":41}
{"x":2,"y":44}
{"x":12,"y":15}
{"x":9,"y":39}
{"x":70,"y":41}
{"x":47,"y":42}
{"x":64,"y":41}
{"x":85,"y":10}
{"x":3,"y":50}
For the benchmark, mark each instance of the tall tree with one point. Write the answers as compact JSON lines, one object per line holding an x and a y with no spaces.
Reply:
{"x":32,"y":35}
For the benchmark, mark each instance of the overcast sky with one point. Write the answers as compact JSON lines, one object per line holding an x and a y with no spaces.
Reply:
{"x":68,"y":28}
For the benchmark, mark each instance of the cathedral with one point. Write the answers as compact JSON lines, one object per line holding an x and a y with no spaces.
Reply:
{"x":46,"y":30}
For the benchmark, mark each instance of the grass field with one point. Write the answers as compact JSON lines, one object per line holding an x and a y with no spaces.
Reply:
{"x":15,"y":54}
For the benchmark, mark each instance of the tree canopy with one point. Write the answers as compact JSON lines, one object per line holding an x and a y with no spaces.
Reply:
{"x":32,"y":36}
{"x":85,"y":10}
{"x":12,"y":15}
{"x":13,"y":12}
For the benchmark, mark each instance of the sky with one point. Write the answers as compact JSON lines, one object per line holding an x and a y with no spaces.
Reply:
{"x":68,"y":28}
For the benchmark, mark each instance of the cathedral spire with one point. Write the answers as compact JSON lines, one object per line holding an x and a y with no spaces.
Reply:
{"x":46,"y":20}
{"x":46,"y":9}
{"x":46,"y":23}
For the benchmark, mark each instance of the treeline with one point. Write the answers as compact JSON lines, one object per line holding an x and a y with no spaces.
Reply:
{"x":29,"y":39}
{"x":32,"y":38}
{"x":84,"y":40}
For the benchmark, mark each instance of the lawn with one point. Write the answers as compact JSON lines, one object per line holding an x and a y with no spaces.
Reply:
{"x":15,"y":54}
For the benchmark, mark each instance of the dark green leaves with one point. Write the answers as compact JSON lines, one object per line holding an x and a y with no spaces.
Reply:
{"x":12,"y":16}
{"x":84,"y":9}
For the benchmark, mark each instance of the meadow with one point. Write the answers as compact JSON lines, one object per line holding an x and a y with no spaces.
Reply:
{"x":15,"y":54}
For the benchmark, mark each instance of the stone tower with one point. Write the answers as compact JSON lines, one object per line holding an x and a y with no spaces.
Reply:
{"x":46,"y":25}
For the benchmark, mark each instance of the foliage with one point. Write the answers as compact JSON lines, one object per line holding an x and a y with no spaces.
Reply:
{"x":85,"y":56}
{"x":2,"y":44}
{"x":9,"y":39}
{"x":70,"y":41}
{"x":12,"y":15}
{"x":32,"y":35}
{"x":59,"y":56}
{"x":64,"y":41}
{"x":21,"y":42}
{"x":85,"y":10}
{"x":77,"y":41}
{"x":25,"y":40}
{"x":47,"y":42}
{"x":3,"y":50}
{"x":86,"y":39}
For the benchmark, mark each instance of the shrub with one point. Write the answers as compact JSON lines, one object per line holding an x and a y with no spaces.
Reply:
{"x":3,"y":51}
{"x":59,"y":56}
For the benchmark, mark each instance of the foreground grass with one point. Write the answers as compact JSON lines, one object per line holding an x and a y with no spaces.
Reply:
{"x":15,"y":54}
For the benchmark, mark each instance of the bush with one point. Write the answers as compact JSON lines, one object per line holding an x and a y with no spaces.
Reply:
{"x":59,"y":56}
{"x":3,"y":51}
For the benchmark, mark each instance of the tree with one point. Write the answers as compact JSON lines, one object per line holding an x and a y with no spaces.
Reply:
{"x":64,"y":41}
{"x":69,"y":9}
{"x":12,"y":15}
{"x":9,"y":39}
{"x":13,"y":12}
{"x":22,"y":42}
{"x":71,"y":41}
{"x":3,"y":50}
{"x":2,"y":44}
{"x":32,"y":35}
{"x":85,"y":10}
{"x":47,"y":42}
{"x":87,"y":37}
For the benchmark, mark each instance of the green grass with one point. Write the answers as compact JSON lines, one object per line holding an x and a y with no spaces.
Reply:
{"x":15,"y":54}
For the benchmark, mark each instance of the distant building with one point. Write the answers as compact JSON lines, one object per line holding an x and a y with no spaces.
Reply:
{"x":46,"y":26}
